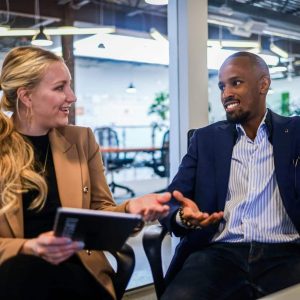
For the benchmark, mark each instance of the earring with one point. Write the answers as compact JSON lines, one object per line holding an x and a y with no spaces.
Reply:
{"x":29,"y":115}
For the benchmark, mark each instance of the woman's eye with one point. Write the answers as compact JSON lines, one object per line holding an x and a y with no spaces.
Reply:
{"x":59,"y":88}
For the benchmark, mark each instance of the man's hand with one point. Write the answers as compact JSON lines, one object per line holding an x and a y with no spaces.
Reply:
{"x":51,"y":248}
{"x":192,"y":213}
{"x":150,"y":207}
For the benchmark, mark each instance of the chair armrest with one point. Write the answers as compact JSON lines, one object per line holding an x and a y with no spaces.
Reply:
{"x":125,"y":259}
{"x":152,"y":243}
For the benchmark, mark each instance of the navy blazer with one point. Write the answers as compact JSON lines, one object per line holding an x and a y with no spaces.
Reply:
{"x":203,"y":174}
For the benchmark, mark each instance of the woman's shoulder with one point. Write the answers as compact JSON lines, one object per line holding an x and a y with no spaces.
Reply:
{"x":75,"y":133}
{"x":74,"y":129}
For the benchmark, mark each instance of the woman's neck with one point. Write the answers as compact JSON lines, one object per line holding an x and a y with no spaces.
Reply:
{"x":28,"y":129}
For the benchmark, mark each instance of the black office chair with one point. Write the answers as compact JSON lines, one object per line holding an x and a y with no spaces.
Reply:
{"x":113,"y":161}
{"x":125,"y":260}
{"x":152,"y":243}
{"x":160,"y":161}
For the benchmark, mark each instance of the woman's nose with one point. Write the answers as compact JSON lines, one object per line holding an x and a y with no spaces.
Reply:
{"x":70,"y":96}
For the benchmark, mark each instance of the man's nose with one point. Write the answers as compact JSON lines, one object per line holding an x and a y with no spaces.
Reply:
{"x":227,"y":93}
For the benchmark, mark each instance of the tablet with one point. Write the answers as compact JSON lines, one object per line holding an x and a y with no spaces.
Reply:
{"x":99,"y":230}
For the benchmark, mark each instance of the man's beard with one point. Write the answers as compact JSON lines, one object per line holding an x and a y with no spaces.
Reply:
{"x":238,"y":118}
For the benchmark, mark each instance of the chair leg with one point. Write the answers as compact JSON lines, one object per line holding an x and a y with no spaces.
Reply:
{"x":114,"y":185}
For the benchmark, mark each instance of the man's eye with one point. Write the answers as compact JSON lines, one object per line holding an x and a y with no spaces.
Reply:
{"x":221,"y":87}
{"x":237,"y":82}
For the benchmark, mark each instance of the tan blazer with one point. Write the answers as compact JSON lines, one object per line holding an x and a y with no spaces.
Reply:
{"x":81,"y":184}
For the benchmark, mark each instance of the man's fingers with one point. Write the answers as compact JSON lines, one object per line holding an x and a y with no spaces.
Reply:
{"x":178,"y":196}
{"x":212,"y":219}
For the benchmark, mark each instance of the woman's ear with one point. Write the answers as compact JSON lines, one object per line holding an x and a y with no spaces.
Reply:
{"x":24,"y":96}
{"x":265,"y":83}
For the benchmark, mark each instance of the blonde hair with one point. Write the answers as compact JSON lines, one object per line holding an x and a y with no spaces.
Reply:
{"x":22,"y":67}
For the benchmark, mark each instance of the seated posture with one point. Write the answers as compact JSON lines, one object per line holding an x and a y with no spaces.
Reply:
{"x":45,"y":164}
{"x":236,"y":196}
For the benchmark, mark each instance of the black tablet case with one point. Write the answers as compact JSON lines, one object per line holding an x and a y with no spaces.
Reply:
{"x":99,"y":230}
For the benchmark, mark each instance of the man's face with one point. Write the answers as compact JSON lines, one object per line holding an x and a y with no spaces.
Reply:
{"x":241,"y":90}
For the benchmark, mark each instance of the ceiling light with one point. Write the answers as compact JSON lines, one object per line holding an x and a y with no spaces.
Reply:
{"x":71,"y":30}
{"x":157,"y":2}
{"x":277,"y":69}
{"x":64,"y":30}
{"x":233,"y":43}
{"x":131,"y":89}
{"x":277,"y":50}
{"x":225,"y":10}
{"x":155,"y":34}
{"x":41,"y":39}
{"x":4,"y":28}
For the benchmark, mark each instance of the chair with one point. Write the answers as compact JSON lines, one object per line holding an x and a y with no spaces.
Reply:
{"x":113,"y":161}
{"x":152,"y":243}
{"x":125,"y":259}
{"x":160,"y":159}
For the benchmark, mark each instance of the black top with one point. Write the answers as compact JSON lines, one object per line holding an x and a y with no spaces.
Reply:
{"x":35,"y":221}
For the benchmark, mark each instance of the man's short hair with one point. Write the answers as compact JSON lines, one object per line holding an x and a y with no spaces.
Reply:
{"x":253,"y":58}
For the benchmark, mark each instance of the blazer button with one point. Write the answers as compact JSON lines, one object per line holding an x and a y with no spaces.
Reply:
{"x":85,"y":189}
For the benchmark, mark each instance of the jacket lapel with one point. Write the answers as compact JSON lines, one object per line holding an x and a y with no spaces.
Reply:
{"x":282,"y":147}
{"x":225,"y":139}
{"x":67,"y":169}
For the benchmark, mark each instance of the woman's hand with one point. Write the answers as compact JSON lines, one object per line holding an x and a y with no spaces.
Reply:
{"x":51,"y":248}
{"x":192,"y":213}
{"x":150,"y":207}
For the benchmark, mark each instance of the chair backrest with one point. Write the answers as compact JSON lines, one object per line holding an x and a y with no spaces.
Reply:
{"x":152,"y":243}
{"x":165,"y":153}
{"x":107,"y":137}
{"x":189,"y":136}
{"x":125,"y":259}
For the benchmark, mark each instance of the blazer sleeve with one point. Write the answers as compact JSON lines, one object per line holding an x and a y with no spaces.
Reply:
{"x":10,"y":247}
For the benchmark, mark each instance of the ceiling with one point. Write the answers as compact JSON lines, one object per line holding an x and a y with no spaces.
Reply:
{"x":249,"y":19}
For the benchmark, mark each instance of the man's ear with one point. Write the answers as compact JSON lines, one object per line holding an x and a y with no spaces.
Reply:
{"x":265,"y":83}
{"x":24,"y":96}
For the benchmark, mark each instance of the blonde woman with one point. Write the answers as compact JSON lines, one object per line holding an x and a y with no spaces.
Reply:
{"x":44,"y":164}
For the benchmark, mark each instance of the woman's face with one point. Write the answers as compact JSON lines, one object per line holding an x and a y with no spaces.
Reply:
{"x":51,"y":99}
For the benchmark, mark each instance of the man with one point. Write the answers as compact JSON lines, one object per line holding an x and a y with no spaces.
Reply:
{"x":238,"y":209}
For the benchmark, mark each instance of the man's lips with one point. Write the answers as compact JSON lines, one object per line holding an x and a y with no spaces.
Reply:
{"x":231,"y":105}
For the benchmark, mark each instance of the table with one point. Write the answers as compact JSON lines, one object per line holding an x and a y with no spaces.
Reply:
{"x":128,"y":149}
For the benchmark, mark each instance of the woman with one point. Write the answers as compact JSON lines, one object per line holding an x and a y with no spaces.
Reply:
{"x":44,"y":164}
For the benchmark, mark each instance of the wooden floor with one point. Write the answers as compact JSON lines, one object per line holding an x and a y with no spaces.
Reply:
{"x":144,"y":293}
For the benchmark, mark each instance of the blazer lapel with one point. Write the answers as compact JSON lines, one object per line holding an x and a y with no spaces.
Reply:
{"x":225,"y":139}
{"x":14,"y":218}
{"x":282,"y":147}
{"x":67,"y":170}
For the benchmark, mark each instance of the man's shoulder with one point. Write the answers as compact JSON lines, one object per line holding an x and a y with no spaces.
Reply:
{"x":214,"y":126}
{"x":276,"y":118}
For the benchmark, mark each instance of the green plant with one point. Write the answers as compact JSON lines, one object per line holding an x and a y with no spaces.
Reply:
{"x":160,"y":105}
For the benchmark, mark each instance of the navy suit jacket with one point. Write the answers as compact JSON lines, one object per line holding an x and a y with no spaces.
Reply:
{"x":204,"y":172}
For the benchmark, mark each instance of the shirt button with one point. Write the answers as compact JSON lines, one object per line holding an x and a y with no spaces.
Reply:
{"x":85,"y":189}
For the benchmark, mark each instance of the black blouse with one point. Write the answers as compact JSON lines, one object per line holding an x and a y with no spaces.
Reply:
{"x":39,"y":221}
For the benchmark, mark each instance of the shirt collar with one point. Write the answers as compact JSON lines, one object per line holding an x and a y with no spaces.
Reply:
{"x":264,"y":125}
